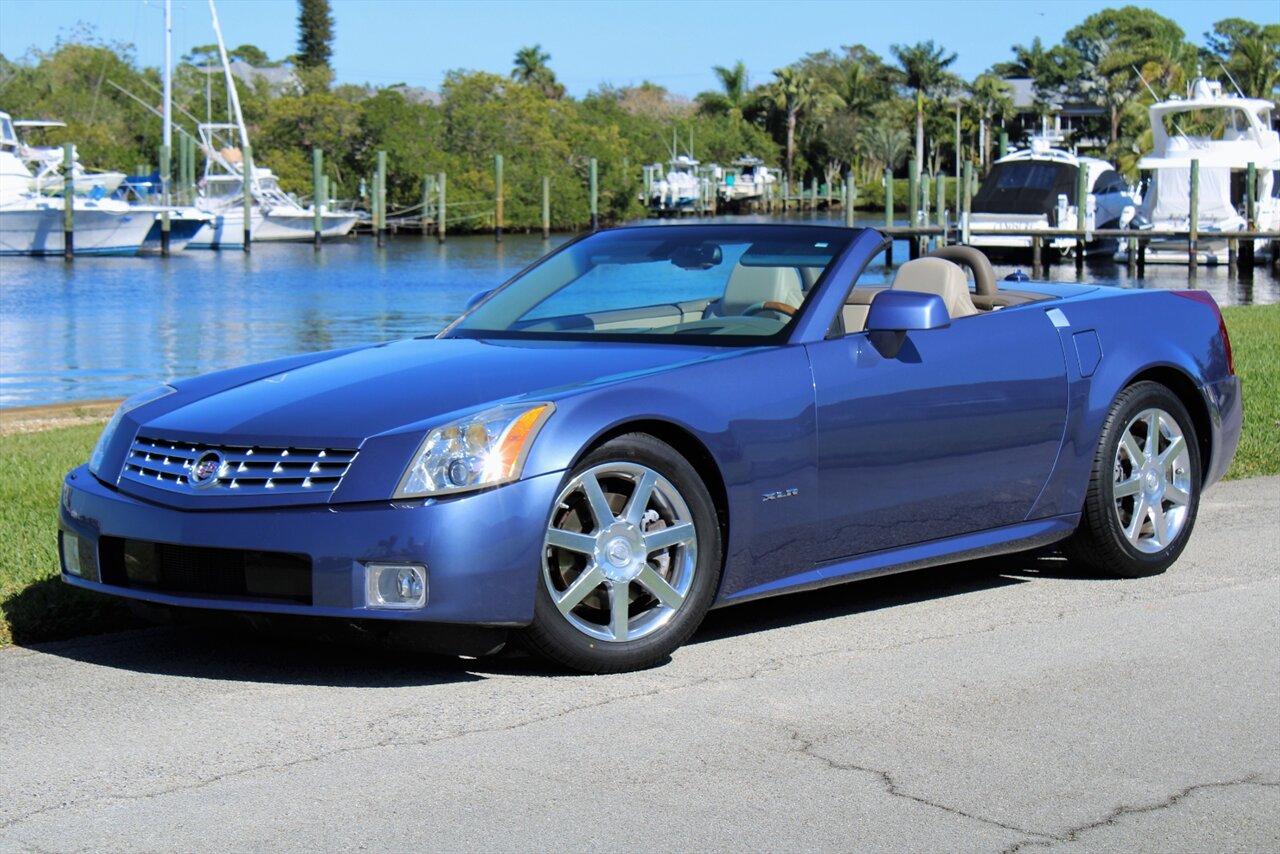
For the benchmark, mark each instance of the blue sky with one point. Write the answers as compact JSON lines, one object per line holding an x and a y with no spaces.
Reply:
{"x":620,"y":42}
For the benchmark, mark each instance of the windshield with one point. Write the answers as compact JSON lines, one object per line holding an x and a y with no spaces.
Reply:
{"x":705,"y":284}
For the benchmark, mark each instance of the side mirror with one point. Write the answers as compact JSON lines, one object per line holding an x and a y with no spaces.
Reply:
{"x":477,"y":298}
{"x":905,"y":311}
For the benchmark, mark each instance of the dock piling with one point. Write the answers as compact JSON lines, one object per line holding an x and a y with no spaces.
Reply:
{"x":850,"y":198}
{"x":246,"y":185}
{"x":595,"y":195}
{"x":427,"y":188}
{"x":68,"y":201}
{"x":380,"y":200}
{"x":1037,"y":255}
{"x":888,"y":213}
{"x":1082,"y":210}
{"x":166,"y":156}
{"x":317,"y":179}
{"x":942,"y":206}
{"x":440,"y":207}
{"x":497,"y":210}
{"x":1251,"y":213}
{"x":963,"y":202}
{"x":1193,"y":235}
{"x":913,"y":205}
{"x":546,"y":207}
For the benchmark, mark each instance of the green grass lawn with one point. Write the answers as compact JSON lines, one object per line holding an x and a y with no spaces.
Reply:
{"x":1255,"y":342}
{"x":36,"y":606}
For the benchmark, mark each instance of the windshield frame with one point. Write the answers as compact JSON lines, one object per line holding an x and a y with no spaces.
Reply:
{"x":755,"y":231}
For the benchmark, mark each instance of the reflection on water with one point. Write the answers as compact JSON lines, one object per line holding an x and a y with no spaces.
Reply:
{"x":106,"y":327}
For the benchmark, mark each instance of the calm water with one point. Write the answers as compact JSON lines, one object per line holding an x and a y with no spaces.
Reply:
{"x":106,"y":327}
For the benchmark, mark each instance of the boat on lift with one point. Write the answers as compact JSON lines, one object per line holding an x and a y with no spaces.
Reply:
{"x":32,"y":223}
{"x":1034,"y":189}
{"x":683,"y":186}
{"x":1224,"y":133}
{"x":747,"y":181}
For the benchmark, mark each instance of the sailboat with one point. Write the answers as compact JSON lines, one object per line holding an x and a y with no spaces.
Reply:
{"x":273,"y":214}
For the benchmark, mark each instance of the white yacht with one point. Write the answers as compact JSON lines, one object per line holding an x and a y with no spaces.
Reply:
{"x":1035,"y":188}
{"x":31,"y":223}
{"x":1225,"y":133}
{"x":747,"y":180}
{"x":47,"y":162}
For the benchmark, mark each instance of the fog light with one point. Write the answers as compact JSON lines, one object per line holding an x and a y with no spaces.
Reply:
{"x":71,"y":554}
{"x":399,"y":586}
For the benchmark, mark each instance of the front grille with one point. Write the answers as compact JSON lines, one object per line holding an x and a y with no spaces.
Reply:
{"x":190,"y":570}
{"x":246,"y":470}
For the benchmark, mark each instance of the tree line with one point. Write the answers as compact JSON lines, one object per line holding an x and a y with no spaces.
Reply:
{"x":829,"y":113}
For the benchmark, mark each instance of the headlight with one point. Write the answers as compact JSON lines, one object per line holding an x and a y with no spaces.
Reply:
{"x":100,"y":449}
{"x":485,"y":449}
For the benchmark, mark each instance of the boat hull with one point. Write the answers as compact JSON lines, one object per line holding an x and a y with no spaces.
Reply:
{"x":226,"y":230}
{"x":181,"y":231}
{"x":97,"y":232}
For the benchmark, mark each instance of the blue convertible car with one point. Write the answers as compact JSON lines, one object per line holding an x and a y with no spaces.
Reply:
{"x":654,"y":421}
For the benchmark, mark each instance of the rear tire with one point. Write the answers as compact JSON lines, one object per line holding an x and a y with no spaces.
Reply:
{"x":1144,"y":488}
{"x":630,"y":562}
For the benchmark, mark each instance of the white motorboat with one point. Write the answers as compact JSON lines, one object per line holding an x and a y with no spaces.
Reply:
{"x":1035,"y":188}
{"x":681,"y":187}
{"x":747,"y":180}
{"x":47,"y":162}
{"x":1224,"y":133}
{"x":32,"y":224}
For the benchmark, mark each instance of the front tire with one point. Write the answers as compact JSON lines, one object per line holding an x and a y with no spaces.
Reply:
{"x":1144,"y":489}
{"x":630,"y":560}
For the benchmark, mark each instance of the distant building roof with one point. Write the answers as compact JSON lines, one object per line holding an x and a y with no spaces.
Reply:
{"x":280,"y":77}
{"x":1024,"y":99}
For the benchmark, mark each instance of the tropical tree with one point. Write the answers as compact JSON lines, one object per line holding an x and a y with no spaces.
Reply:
{"x":1249,"y":52}
{"x":924,"y":69}
{"x":794,"y":93}
{"x":733,"y":95}
{"x":530,"y":67}
{"x":991,"y":99}
{"x":886,"y":146}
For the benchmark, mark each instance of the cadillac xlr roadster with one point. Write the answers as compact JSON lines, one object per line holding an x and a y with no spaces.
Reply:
{"x":653,"y":421}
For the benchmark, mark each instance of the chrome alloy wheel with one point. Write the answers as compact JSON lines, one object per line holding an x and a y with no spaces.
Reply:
{"x":1152,"y":480}
{"x":620,"y":552}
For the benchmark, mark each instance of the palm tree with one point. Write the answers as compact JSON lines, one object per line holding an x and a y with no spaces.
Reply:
{"x":1255,"y":64}
{"x":793,"y":93}
{"x":733,"y":82}
{"x":991,"y":98}
{"x":884,"y":145}
{"x":924,"y":67}
{"x":530,"y":67}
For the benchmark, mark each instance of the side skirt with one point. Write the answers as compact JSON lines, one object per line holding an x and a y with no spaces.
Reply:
{"x":998,"y":541}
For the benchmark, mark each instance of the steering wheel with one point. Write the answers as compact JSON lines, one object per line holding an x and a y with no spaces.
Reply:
{"x":984,"y":278}
{"x":769,"y":305}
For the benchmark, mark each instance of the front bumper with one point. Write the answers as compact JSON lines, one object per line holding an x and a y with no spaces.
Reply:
{"x":481,"y":550}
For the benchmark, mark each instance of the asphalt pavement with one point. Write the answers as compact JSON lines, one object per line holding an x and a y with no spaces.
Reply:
{"x":1003,"y":705}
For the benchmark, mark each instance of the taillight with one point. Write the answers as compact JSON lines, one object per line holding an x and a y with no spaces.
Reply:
{"x":1207,"y":298}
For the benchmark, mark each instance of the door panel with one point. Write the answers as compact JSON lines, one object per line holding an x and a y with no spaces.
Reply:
{"x":956,"y":432}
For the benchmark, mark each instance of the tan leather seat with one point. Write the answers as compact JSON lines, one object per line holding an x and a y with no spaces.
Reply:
{"x":748,"y":286}
{"x":936,"y":276}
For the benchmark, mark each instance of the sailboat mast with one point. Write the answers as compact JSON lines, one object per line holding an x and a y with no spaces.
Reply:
{"x":231,"y":83}
{"x":168,"y":73}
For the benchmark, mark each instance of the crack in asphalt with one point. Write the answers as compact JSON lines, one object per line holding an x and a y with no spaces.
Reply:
{"x":1112,"y":818}
{"x":894,"y":789}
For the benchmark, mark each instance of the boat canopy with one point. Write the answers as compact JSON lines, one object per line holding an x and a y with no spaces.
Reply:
{"x":1169,"y":196}
{"x":1025,"y":187}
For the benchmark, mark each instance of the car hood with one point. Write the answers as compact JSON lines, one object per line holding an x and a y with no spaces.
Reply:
{"x":405,"y":385}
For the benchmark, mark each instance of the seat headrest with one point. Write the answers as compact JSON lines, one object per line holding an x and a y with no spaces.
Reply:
{"x":936,"y":276}
{"x":750,"y":285}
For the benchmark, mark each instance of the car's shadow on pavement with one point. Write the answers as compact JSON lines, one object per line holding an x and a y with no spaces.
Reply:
{"x":323,"y":653}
